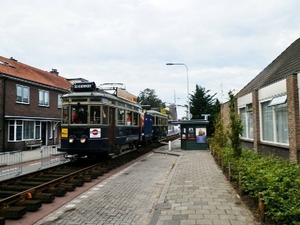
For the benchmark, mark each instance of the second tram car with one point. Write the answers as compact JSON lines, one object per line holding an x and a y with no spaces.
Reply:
{"x":159,"y":125}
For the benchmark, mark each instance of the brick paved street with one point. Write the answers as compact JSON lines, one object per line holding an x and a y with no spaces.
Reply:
{"x":129,"y":197}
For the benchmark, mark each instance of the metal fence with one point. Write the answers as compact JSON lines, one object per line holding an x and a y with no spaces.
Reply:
{"x":50,"y":155}
{"x":10,"y":163}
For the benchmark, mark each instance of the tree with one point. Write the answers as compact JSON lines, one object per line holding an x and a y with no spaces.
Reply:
{"x":235,"y":127}
{"x":149,"y":97}
{"x":204,"y":103}
{"x":220,"y":134}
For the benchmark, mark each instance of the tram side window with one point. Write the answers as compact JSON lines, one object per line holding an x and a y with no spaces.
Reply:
{"x":128,"y":118}
{"x":135,"y":118}
{"x":159,"y":121}
{"x":95,"y":115}
{"x":154,"y":120}
{"x":121,"y":117}
{"x":105,"y":115}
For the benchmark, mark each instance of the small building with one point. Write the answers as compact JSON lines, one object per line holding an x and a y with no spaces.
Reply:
{"x":30,"y":105}
{"x":193,"y":134}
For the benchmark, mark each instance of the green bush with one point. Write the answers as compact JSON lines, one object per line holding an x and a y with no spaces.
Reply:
{"x":277,"y":179}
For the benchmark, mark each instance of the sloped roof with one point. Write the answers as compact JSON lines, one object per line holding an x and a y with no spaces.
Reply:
{"x":17,"y":69}
{"x":285,"y":64}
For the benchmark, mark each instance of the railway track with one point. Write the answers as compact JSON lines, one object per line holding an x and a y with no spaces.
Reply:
{"x":27,"y":193}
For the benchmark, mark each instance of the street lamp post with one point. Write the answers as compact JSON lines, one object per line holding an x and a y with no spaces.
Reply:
{"x":187,"y":85}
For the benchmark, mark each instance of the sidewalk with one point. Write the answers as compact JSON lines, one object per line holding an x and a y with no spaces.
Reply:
{"x":198,"y":193}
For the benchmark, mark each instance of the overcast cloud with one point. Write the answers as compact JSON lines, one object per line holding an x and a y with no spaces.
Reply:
{"x":224,"y":43}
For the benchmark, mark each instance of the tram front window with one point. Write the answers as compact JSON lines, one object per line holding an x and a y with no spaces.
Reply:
{"x":95,"y":115}
{"x":79,"y":114}
{"x":65,"y":117}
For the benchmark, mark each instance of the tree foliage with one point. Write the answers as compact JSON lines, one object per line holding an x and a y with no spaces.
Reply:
{"x":220,"y":134}
{"x":235,"y":127}
{"x":204,"y":103}
{"x":149,"y":97}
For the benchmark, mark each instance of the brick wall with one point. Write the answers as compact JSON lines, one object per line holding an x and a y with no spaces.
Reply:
{"x":2,"y":132}
{"x":33,"y":109}
{"x":225,"y":114}
{"x":256,"y":124}
{"x":293,"y":116}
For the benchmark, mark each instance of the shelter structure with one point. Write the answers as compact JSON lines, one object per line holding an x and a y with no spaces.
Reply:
{"x":193,"y":134}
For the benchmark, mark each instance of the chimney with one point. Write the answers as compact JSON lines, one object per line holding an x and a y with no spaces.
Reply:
{"x":13,"y":59}
{"x":54,"y":71}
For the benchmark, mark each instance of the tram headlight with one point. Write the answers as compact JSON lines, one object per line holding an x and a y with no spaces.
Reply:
{"x":72,"y":139}
{"x":83,"y":139}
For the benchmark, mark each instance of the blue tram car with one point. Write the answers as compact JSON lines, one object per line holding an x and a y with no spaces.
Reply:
{"x":99,"y":121}
{"x":159,"y":125}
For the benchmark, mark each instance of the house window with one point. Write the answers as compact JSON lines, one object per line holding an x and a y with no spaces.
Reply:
{"x":59,"y":101}
{"x":243,"y":119}
{"x":267,"y":122}
{"x":22,"y":94}
{"x":247,"y":121}
{"x":28,"y":129}
{"x":43,"y":98}
{"x":24,"y":130}
{"x":281,"y":123}
{"x":274,"y":122}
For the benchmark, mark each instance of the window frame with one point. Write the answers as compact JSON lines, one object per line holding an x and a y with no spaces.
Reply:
{"x":273,"y":111}
{"x":18,"y":128}
{"x":44,"y":101}
{"x":246,"y":114}
{"x":21,"y":99}
{"x":59,"y":101}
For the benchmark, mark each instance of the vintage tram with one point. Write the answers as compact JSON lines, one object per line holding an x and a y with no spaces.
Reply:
{"x":99,"y":121}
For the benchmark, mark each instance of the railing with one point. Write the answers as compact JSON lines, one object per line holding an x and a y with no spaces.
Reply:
{"x":10,"y":163}
{"x":50,"y":155}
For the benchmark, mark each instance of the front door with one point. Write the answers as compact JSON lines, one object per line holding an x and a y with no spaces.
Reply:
{"x":44,"y":133}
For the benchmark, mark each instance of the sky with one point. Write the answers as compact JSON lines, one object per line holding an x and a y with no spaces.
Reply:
{"x":222,"y":44}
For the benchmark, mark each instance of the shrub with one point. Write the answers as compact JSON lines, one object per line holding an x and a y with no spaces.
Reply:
{"x":277,"y":179}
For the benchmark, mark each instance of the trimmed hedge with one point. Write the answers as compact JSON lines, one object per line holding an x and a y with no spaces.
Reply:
{"x":277,"y":179}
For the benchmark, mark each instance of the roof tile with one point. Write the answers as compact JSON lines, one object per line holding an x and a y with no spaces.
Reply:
{"x":20,"y":70}
{"x":285,"y":64}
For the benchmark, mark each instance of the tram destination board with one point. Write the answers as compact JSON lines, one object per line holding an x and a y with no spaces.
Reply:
{"x":82,"y":87}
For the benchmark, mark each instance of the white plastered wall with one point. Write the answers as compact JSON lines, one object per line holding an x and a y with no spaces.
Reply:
{"x":244,"y":100}
{"x":271,"y":91}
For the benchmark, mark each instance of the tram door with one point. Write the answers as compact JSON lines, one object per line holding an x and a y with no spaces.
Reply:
{"x":112,"y":126}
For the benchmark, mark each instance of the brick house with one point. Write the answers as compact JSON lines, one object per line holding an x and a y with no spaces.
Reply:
{"x":269,"y":107}
{"x":30,"y":105}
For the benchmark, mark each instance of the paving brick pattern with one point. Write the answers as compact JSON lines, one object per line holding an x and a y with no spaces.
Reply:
{"x":126,"y":198}
{"x":200,"y":194}
{"x":162,"y":189}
